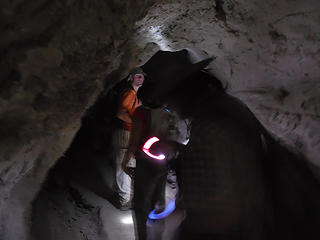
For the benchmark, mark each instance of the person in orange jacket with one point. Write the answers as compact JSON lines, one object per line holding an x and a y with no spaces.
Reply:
{"x":128,"y":103}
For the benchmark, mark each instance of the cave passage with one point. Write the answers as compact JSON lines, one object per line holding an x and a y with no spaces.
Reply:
{"x":253,"y":113}
{"x":77,"y":200}
{"x":78,"y":192}
{"x":232,"y":171}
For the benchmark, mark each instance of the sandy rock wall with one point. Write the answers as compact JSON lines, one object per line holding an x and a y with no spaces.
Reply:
{"x":54,"y":57}
{"x":267,"y":53}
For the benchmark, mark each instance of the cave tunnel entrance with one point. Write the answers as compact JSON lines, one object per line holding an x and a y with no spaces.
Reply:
{"x":78,"y":199}
{"x":242,"y":176}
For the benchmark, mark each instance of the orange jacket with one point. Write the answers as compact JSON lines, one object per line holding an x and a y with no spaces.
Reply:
{"x":128,"y":102}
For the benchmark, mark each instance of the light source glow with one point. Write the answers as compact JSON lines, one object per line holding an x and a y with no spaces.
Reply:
{"x":157,"y":36}
{"x":169,"y":209}
{"x":127,"y":220}
{"x":147,"y":146}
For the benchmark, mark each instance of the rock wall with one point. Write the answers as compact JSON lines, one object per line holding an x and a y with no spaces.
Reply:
{"x":267,"y":54}
{"x":54,"y":59}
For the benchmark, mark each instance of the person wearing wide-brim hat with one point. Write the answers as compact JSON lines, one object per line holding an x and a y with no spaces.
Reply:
{"x":165,"y":70}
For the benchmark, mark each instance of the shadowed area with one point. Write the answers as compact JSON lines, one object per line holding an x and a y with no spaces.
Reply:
{"x":237,"y":181}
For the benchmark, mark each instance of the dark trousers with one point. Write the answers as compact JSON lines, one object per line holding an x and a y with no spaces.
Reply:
{"x":149,"y":187}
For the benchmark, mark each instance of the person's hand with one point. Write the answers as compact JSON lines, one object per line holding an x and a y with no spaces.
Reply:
{"x":127,"y":170}
{"x":131,"y":172}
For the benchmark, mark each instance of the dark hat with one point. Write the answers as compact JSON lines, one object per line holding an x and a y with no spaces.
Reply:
{"x":137,"y":70}
{"x":167,"y":70}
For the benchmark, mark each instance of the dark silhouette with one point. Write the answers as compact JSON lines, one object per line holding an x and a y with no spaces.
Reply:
{"x":237,"y":181}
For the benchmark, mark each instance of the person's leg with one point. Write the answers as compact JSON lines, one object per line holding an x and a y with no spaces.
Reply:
{"x":145,"y":185}
{"x":175,"y":165}
{"x":142,"y":186}
{"x":122,"y":181}
{"x":159,"y":192}
{"x":156,"y":226}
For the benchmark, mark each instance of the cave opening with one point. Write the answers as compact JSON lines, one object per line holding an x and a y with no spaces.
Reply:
{"x":85,"y":170}
{"x":244,"y":160}
{"x":79,"y":190}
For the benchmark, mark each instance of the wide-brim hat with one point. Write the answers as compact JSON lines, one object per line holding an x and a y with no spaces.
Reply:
{"x":166,"y":70}
{"x":137,"y":70}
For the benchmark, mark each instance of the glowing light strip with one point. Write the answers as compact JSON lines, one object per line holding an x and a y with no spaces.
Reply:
{"x":149,"y":142}
{"x":169,"y":209}
{"x":147,"y":146}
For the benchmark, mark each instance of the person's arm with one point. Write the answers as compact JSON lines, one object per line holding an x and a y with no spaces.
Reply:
{"x":134,"y":139}
{"x":124,"y":115}
{"x":139,"y":102}
{"x":125,"y":105}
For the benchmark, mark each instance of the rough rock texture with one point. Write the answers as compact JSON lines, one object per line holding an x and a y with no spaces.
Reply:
{"x":267,"y":53}
{"x":55,"y":56}
{"x":75,"y":213}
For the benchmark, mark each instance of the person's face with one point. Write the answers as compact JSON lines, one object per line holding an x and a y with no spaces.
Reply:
{"x":138,"y":80}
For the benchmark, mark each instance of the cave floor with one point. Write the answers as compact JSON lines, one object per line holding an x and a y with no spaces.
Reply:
{"x":119,"y":224}
{"x":77,"y":208}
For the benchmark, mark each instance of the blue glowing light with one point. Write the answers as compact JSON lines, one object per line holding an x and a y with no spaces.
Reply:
{"x":169,"y":209}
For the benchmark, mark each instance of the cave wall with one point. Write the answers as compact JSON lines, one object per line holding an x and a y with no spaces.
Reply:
{"x":267,"y":54}
{"x":56,"y":57}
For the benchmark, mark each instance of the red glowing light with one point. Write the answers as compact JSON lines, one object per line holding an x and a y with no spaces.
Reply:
{"x":148,"y":145}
